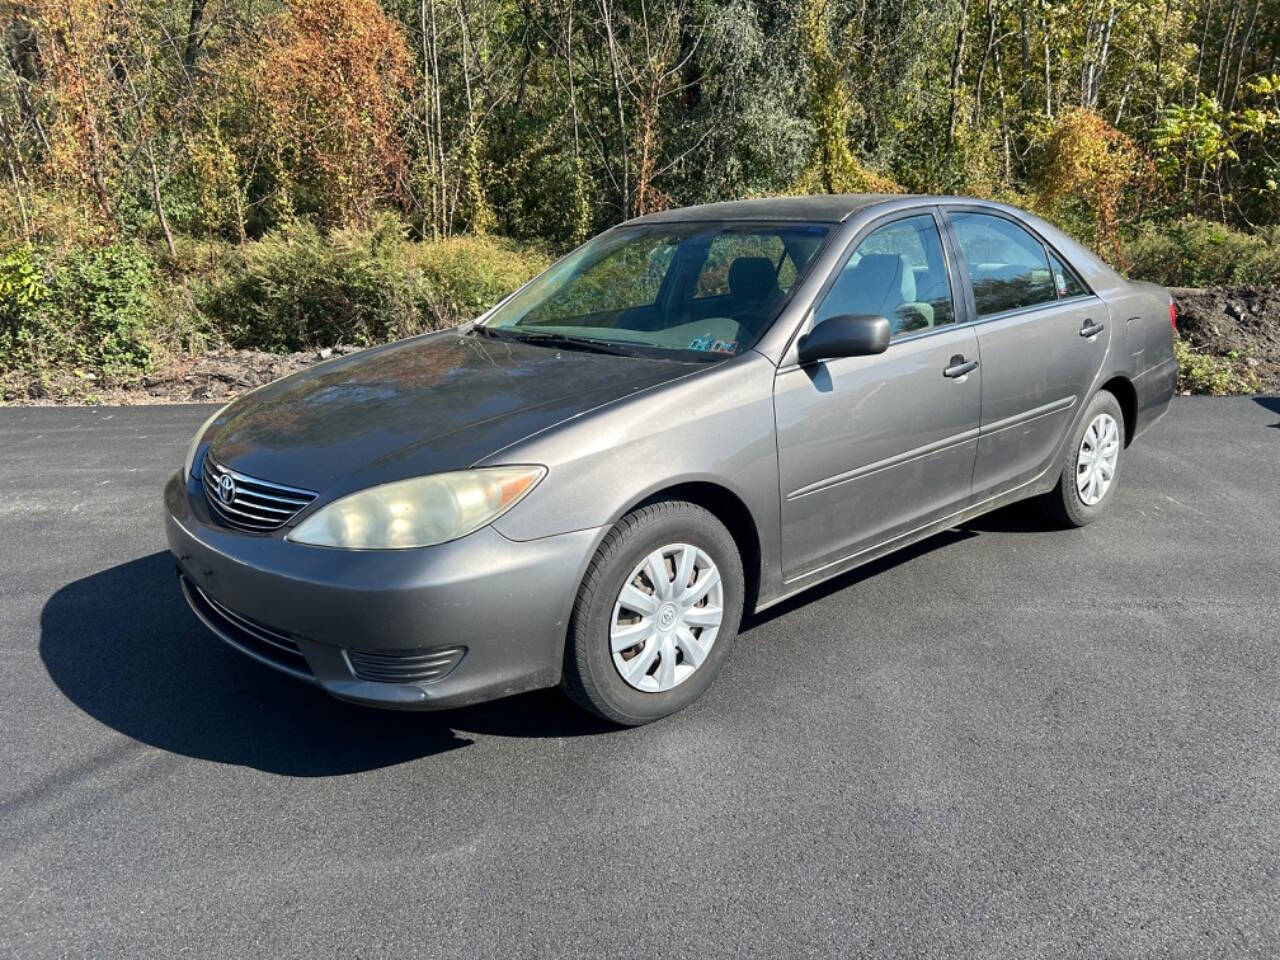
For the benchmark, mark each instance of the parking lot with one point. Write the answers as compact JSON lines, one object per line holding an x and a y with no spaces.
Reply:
{"x":1008,"y":741}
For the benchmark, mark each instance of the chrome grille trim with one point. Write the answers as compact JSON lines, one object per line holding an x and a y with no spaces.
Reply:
{"x":412,"y":666}
{"x":258,"y":505}
{"x":260,"y":642}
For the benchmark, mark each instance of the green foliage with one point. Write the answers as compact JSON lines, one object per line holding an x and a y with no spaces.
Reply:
{"x":1192,"y":135}
{"x":338,"y":132}
{"x":91,"y":310}
{"x":22,"y":285}
{"x":461,"y":277}
{"x":298,"y":288}
{"x":1199,"y":253}
{"x":1208,"y":374}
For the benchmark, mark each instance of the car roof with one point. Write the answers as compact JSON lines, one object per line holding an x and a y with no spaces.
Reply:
{"x":824,"y":208}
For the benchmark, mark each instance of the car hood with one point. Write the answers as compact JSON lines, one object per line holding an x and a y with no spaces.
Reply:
{"x":424,"y":405}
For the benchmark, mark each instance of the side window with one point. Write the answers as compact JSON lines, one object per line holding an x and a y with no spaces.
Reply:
{"x":725,"y":248}
{"x":1065,"y":280}
{"x":1008,"y":267}
{"x":897,"y":272}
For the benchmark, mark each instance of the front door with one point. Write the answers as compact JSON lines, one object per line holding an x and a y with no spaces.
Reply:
{"x":871,"y":448}
{"x":1042,"y":338}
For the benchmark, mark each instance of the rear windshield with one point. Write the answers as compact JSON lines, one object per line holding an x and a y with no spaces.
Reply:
{"x":693,"y":290}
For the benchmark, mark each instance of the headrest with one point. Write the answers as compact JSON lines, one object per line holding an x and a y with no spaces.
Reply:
{"x":752,"y":278}
{"x":889,"y":275}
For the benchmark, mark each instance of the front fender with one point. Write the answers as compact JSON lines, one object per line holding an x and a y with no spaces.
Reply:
{"x":715,"y":427}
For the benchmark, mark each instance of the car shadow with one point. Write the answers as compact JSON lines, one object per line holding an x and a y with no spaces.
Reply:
{"x":123,"y":646}
{"x":1272,"y":404}
{"x":1024,"y":516}
{"x":853,"y":577}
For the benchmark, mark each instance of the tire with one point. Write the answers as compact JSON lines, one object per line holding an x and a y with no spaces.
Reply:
{"x":593,"y":676}
{"x":1066,"y":504}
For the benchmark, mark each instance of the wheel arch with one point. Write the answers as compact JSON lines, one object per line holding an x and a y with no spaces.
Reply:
{"x":727,"y":507}
{"x":1122,"y":388}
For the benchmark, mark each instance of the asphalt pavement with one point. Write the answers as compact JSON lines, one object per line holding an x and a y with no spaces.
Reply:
{"x":1007,"y":742}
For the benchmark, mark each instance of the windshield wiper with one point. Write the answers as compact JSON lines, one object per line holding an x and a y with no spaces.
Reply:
{"x":573,"y":343}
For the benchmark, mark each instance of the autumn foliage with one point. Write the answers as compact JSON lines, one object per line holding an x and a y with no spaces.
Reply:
{"x":335,"y":80}
{"x":182,"y":172}
{"x":1091,"y":165}
{"x":82,"y":139}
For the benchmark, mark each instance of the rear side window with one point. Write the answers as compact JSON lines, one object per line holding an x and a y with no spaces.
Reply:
{"x":1008,"y":267}
{"x":1065,"y":280}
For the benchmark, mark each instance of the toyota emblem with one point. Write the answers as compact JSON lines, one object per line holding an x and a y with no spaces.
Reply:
{"x":227,"y":489}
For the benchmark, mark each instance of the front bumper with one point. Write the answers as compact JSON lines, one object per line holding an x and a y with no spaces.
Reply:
{"x":478,"y":618}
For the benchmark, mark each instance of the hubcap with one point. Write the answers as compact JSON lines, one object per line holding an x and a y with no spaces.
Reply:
{"x":666,"y":618}
{"x":1096,"y":461}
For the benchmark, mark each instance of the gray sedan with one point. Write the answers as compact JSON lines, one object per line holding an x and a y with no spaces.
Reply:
{"x":693,"y":416}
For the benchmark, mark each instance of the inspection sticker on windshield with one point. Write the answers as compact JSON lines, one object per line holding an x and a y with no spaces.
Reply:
{"x":710,"y":344}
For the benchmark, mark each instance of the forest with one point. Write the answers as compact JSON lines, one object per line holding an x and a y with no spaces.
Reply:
{"x":187,"y":175}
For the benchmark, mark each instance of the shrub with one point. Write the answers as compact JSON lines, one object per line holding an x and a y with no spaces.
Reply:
{"x":91,"y":310}
{"x":464,"y":276}
{"x":1091,"y":177}
{"x":1199,"y":253}
{"x":298,"y":288}
{"x":1213,"y":375}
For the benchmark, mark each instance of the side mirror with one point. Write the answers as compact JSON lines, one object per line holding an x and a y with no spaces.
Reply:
{"x":850,"y":335}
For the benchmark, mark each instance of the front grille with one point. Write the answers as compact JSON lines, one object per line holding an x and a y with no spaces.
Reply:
{"x":412,"y":666}
{"x":254,"y":638}
{"x":252,"y":504}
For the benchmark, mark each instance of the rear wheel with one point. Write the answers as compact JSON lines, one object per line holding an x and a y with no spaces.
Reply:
{"x":1091,"y":469}
{"x":656,"y":614}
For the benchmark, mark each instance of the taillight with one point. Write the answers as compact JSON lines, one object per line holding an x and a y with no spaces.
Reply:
{"x":1173,"y":316}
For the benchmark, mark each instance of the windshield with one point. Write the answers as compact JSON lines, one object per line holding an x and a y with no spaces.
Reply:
{"x":689,"y":290}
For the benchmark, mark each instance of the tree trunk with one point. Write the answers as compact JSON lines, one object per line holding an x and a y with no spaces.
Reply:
{"x":622,"y":117}
{"x":159,"y":202}
{"x":957,"y":72}
{"x":194,"y":42}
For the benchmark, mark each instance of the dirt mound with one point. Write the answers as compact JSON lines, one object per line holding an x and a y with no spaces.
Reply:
{"x":222,"y":374}
{"x":219,"y":375}
{"x":1244,"y":320}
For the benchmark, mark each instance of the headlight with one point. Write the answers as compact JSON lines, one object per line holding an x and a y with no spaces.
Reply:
{"x":188,"y":463}
{"x":418,"y":512}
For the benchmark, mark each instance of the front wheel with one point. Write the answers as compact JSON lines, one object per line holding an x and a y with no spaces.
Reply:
{"x":1091,"y":469}
{"x":656,"y":615}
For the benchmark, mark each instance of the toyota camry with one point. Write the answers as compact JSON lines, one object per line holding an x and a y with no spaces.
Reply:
{"x":689,"y":418}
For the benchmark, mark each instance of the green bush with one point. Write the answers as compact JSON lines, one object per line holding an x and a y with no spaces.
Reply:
{"x":1213,"y":375}
{"x":464,"y":276}
{"x":298,"y":288}
{"x":1199,"y":253}
{"x":90,"y":310}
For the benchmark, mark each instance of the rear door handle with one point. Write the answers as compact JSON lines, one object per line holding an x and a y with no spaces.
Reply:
{"x":1091,"y":329}
{"x":959,"y":367}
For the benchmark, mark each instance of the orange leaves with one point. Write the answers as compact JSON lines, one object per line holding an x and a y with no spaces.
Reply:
{"x":335,"y":77}
{"x":80,"y":132}
{"x":1086,"y":159}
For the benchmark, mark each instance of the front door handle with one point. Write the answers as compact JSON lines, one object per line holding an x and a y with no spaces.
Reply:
{"x":959,"y":366}
{"x":1091,"y":329}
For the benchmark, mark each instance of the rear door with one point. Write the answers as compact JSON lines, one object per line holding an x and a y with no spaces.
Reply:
{"x":870,"y":448}
{"x":1042,"y":338}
